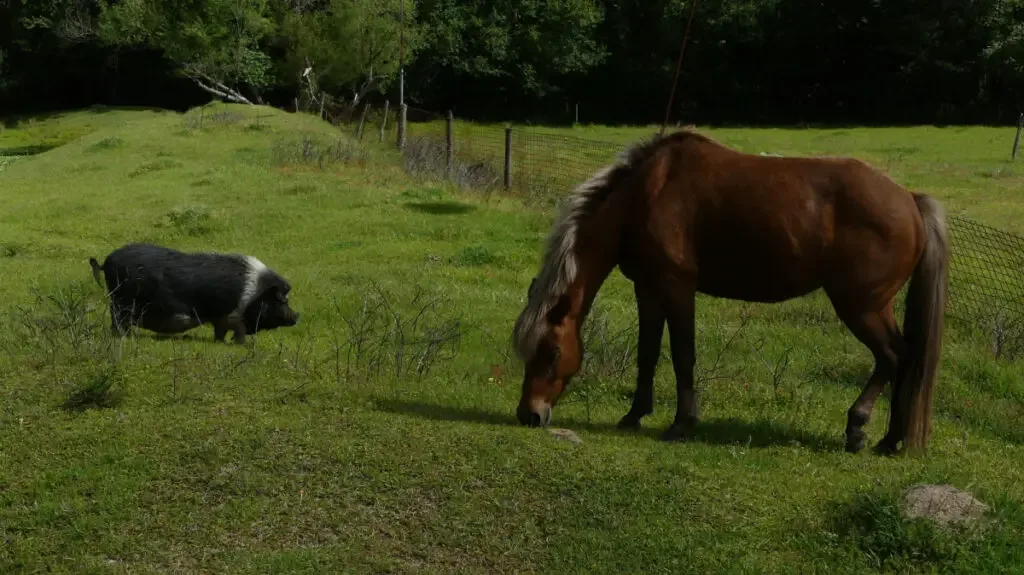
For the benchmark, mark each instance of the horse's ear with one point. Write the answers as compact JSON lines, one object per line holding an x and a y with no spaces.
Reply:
{"x":560,"y":310}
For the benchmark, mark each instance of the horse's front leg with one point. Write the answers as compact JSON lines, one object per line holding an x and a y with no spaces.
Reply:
{"x":678,"y":303}
{"x":651,"y":328}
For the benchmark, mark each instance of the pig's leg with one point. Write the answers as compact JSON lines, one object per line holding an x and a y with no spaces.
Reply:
{"x":239,"y":332}
{"x":229,"y":323}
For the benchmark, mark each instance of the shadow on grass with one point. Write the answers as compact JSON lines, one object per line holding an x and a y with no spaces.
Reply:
{"x":27,"y":150}
{"x":14,"y":121}
{"x":176,"y":336}
{"x":441,"y":208}
{"x":712,"y":431}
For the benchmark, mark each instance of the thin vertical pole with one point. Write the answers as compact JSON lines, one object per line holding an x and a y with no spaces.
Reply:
{"x":384,"y":122}
{"x":402,"y":111}
{"x":679,"y":63}
{"x":362,"y":120}
{"x":449,"y":144}
{"x":508,"y":158}
{"x":401,"y":56}
{"x":1016,"y":141}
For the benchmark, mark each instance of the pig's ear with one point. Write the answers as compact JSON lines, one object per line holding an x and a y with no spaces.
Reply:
{"x":279,"y":291}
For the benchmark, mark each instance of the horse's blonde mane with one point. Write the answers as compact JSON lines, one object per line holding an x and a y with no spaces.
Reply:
{"x":558,"y":268}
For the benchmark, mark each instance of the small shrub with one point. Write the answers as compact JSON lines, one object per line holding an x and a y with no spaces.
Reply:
{"x":110,"y":143}
{"x":154,"y":166}
{"x":386,"y":335}
{"x":1006,"y":334}
{"x":98,"y":391}
{"x":64,"y":321}
{"x":427,"y":158}
{"x":473,"y":256}
{"x":300,"y":190}
{"x":872,"y":525}
{"x":7,"y":161}
{"x":310,"y":151}
{"x":192,"y":220}
{"x":11,"y":249}
{"x":202,"y":118}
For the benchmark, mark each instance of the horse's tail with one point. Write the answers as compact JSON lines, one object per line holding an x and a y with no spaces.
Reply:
{"x":97,"y":270}
{"x":923,"y":325}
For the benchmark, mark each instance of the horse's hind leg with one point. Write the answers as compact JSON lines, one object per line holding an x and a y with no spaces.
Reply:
{"x":877,"y":331}
{"x":651,"y":329}
{"x":678,"y":304}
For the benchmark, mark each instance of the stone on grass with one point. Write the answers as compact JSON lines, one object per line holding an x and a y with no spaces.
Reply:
{"x":943,"y":504}
{"x":565,"y":435}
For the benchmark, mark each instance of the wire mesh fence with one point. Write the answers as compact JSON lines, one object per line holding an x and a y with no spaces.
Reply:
{"x":986,"y":268}
{"x":986,"y":272}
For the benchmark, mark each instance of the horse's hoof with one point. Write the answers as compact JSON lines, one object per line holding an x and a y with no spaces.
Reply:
{"x":676,"y":433}
{"x":855,"y":442}
{"x":628,"y":422}
{"x":886,"y":447}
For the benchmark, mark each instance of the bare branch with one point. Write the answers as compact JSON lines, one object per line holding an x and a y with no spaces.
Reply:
{"x":212,"y":86}
{"x":372,"y":81}
{"x":77,"y":24}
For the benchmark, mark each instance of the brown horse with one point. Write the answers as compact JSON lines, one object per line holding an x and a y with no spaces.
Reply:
{"x":683,"y":214}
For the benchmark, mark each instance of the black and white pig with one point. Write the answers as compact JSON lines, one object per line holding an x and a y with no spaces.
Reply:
{"x":168,"y":291}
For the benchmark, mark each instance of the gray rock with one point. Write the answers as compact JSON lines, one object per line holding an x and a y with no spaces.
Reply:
{"x":565,"y":435}
{"x":943,"y":504}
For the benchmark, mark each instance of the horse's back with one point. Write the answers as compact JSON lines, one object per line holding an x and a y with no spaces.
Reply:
{"x":764,"y":228}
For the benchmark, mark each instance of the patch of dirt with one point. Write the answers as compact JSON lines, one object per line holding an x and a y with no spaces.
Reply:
{"x":943,"y":504}
{"x":565,"y":435}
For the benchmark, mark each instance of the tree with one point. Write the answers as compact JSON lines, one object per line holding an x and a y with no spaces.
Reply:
{"x":508,"y":49}
{"x":215,"y":43}
{"x":346,"y":46}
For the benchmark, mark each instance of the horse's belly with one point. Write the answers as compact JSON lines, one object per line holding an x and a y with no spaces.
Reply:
{"x":761,"y":279}
{"x":757,"y":291}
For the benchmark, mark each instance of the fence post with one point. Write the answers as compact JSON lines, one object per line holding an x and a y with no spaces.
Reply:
{"x":508,"y":158}
{"x":323,"y":100}
{"x":1016,"y":140}
{"x":384,"y":122}
{"x":362,"y":120}
{"x":402,"y":126}
{"x":296,"y":104}
{"x":449,"y":144}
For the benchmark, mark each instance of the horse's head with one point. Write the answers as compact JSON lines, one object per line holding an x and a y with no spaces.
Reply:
{"x":554,"y":362}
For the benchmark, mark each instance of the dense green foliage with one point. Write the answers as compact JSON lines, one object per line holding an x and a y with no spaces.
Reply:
{"x":752,"y":61}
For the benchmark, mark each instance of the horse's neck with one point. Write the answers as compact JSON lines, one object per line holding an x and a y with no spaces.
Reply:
{"x":597,"y":253}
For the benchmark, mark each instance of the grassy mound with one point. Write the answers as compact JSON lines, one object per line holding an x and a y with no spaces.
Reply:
{"x":379,"y":433}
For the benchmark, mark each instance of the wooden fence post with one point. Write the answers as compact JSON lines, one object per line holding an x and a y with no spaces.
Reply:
{"x":449,"y":144}
{"x":323,"y":100}
{"x":508,"y":158}
{"x":402,"y":126}
{"x":362,"y":120}
{"x":384,"y":122}
{"x":1016,"y":141}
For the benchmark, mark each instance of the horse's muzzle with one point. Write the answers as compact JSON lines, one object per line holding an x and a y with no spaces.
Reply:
{"x":532,"y":417}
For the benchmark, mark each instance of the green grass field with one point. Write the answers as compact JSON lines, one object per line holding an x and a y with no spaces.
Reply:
{"x":379,"y":435}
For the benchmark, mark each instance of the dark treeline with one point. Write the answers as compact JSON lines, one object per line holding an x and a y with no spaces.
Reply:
{"x":747,"y":61}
